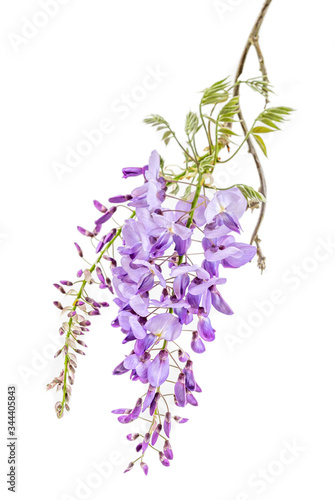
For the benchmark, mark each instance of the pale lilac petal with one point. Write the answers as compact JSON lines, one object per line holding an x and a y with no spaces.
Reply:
{"x":139,"y":305}
{"x":186,"y":268}
{"x":220,"y":304}
{"x":197,"y":344}
{"x":223,"y":254}
{"x":137,"y":328}
{"x":153,"y":167}
{"x":131,"y":361}
{"x":202,"y":287}
{"x":180,"y":390}
{"x":205,"y":329}
{"x":165,"y":326}
{"x":213,"y":208}
{"x":158,"y":370}
{"x":182,"y":231}
{"x":248,"y":253}
{"x":149,"y":397}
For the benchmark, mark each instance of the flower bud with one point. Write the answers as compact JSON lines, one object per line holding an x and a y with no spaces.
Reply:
{"x":99,"y":206}
{"x":163,"y":460}
{"x":156,"y":434}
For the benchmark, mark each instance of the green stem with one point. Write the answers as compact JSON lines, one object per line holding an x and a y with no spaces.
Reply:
{"x":242,"y":143}
{"x":193,"y":206}
{"x":207,"y":133}
{"x":79,"y":295}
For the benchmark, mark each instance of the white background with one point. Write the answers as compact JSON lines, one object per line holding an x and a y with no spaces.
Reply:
{"x":275,"y":385}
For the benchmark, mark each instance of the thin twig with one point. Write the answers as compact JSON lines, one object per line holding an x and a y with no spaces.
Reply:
{"x":254,"y":40}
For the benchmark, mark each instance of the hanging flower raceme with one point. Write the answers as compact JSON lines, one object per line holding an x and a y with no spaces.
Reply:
{"x":163,"y":265}
{"x":164,"y":301}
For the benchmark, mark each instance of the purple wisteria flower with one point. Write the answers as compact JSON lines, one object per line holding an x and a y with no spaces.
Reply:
{"x":162,"y":293}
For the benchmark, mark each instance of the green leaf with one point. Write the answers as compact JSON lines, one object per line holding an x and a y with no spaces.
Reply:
{"x":270,"y":123}
{"x":166,"y":137}
{"x":191,"y":124}
{"x":278,"y":114}
{"x":160,"y":123}
{"x":209,"y":118}
{"x":217,"y":93}
{"x":261,"y":130}
{"x":259,"y":84}
{"x":228,"y":111}
{"x":261,"y":143}
{"x":250,"y":193}
{"x":226,"y":131}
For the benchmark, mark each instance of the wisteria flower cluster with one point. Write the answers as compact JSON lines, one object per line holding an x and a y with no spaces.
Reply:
{"x":163,"y":266}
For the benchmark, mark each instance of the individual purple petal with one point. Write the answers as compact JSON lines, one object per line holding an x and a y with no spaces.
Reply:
{"x":137,"y":328}
{"x":100,"y":275}
{"x":145,"y":443}
{"x":131,"y":172}
{"x":197,"y":344}
{"x":106,"y":216}
{"x":202,"y":286}
{"x":189,"y":376}
{"x":120,"y":369}
{"x":218,"y":302}
{"x":149,"y":397}
{"x":163,"y":459}
{"x":213,"y":255}
{"x":146,"y":283}
{"x":180,"y":285}
{"x":181,"y":245}
{"x":139,"y":303}
{"x":158,"y":370}
{"x":183,"y":232}
{"x":66,"y":282}
{"x":142,"y":367}
{"x":165,"y":325}
{"x":121,"y":411}
{"x":59,"y":288}
{"x":187,"y":268}
{"x":183,"y":356}
{"x":137,"y":410}
{"x":144,"y":344}
{"x":99,"y":206}
{"x":168,"y":450}
{"x":131,"y":362}
{"x":191,"y":399}
{"x":79,"y":250}
{"x":180,"y":390}
{"x":167,"y":424}
{"x":108,"y":238}
{"x":120,"y":199}
{"x":247,"y":254}
{"x":85,"y":232}
{"x":124,"y":419}
{"x":154,"y":403}
{"x":156,"y":434}
{"x":205,"y":329}
{"x":180,"y":420}
{"x":132,"y":437}
{"x":153,"y":167}
{"x":130,"y":466}
{"x":145,"y":468}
